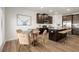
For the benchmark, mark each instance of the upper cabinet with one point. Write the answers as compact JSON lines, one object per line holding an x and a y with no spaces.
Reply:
{"x":39,"y":18}
{"x":50,"y":19}
{"x":67,"y":18}
{"x":44,"y":18}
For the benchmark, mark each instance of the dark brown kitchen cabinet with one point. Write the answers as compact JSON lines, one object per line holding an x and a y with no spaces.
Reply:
{"x":67,"y":18}
{"x":39,"y":18}
{"x":76,"y":24}
{"x":50,"y":19}
{"x":44,"y":18}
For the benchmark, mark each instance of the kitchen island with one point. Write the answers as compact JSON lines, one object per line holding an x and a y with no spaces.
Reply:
{"x":57,"y":34}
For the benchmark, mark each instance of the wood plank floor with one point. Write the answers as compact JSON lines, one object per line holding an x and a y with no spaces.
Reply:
{"x":71,"y":45}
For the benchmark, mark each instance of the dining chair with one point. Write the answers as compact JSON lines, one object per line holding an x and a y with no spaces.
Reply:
{"x":43,"y":38}
{"x":24,"y":39}
{"x":35,"y":33}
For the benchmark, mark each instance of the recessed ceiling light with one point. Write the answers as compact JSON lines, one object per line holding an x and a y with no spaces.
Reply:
{"x":68,"y":9}
{"x":50,"y":10}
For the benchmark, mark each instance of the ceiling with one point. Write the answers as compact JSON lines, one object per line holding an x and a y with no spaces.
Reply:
{"x":51,"y":10}
{"x":55,"y":10}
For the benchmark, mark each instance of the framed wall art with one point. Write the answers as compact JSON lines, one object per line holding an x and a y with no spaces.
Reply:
{"x":23,"y":20}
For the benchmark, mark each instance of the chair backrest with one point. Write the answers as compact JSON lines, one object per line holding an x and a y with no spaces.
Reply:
{"x":45,"y":32}
{"x":18,"y":30}
{"x":23,"y":38}
{"x":35,"y":31}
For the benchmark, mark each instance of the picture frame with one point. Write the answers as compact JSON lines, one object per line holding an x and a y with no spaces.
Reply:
{"x":23,"y":20}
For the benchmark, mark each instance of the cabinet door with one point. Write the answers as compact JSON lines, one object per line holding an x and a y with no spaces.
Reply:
{"x":64,"y":18}
{"x":44,"y":19}
{"x":76,"y":24}
{"x":39,"y":18}
{"x":50,"y":20}
{"x":69,"y":18}
{"x":45,"y":16}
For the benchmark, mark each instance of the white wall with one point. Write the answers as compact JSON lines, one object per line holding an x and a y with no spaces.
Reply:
{"x":11,"y":20}
{"x":2,"y":27}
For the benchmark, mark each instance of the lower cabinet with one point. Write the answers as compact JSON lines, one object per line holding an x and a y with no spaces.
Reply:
{"x":55,"y":36}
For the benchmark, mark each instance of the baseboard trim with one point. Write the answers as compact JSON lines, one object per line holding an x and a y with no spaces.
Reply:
{"x":11,"y":39}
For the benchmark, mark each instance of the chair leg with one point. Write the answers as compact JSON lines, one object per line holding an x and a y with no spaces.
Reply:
{"x":18,"y":47}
